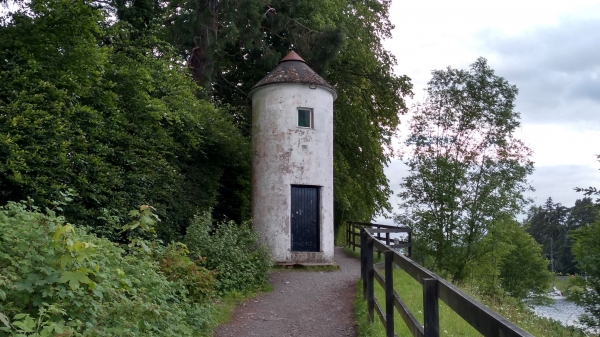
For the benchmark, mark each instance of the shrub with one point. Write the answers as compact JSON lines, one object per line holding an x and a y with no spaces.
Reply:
{"x":509,"y":260}
{"x":176,"y":265}
{"x":67,"y":277}
{"x":242,"y":264}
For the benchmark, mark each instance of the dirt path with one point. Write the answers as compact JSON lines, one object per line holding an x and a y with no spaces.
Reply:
{"x":303,"y":303}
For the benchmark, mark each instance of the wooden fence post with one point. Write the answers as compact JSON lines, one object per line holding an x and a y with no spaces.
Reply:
{"x":363,"y":261}
{"x":410,"y":247}
{"x":347,"y":233}
{"x":370,"y":280}
{"x":389,"y":293}
{"x":430,"y":307}
{"x":353,"y":235}
{"x":378,"y":238}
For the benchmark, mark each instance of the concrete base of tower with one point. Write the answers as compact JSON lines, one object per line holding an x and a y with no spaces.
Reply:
{"x":311,"y":257}
{"x":311,"y":266}
{"x":304,"y":258}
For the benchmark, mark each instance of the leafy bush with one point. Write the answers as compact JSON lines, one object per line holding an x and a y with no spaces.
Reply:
{"x":232,"y":250}
{"x":176,"y":265}
{"x":70,"y":279}
{"x":510,"y":260}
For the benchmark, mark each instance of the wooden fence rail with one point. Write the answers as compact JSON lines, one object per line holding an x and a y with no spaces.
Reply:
{"x":480,"y":317}
{"x":353,"y":229}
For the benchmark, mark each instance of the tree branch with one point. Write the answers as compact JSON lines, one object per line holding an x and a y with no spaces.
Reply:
{"x":233,"y":85}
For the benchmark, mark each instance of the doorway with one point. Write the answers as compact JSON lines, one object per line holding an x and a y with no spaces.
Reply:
{"x":305,"y":218}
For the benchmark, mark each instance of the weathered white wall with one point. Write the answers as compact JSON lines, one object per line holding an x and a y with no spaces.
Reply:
{"x":279,"y":161}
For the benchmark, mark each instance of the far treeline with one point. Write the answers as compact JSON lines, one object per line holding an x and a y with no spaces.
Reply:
{"x":553,"y":224}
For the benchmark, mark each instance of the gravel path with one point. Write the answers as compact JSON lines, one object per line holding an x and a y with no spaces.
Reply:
{"x":303,"y":303}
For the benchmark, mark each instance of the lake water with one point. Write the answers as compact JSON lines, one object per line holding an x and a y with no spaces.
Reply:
{"x":563,"y":311}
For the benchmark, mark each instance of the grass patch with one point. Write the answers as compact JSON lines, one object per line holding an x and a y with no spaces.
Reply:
{"x":450,"y":323}
{"x":356,"y":254}
{"x":364,"y":328}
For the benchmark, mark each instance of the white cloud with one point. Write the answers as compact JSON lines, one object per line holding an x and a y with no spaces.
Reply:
{"x":556,"y":145}
{"x":557,"y":70}
{"x":558,"y":182}
{"x":432,"y":34}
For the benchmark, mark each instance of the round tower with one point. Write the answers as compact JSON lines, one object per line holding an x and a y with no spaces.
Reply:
{"x":292,"y":165}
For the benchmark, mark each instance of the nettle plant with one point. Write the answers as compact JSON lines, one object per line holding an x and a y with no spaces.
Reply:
{"x":59,"y":279}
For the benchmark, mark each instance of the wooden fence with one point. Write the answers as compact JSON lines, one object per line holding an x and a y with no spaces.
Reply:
{"x":480,"y":317}
{"x":353,"y":230}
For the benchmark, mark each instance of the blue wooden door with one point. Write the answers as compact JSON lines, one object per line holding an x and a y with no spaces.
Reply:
{"x":305,"y":218}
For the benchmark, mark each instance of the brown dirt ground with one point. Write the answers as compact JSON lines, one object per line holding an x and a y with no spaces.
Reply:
{"x":303,"y":303}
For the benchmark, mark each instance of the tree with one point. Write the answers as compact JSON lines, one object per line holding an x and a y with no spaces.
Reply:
{"x":587,"y":252}
{"x":366,"y":113}
{"x":508,"y":258}
{"x":230,"y":45}
{"x":110,"y":114}
{"x":582,"y":213}
{"x":466,"y":167}
{"x":589,"y":191}
{"x":524,"y":269}
{"x":552,"y":224}
{"x":548,"y":226}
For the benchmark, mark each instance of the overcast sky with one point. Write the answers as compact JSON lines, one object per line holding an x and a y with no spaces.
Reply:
{"x":549,"y":49}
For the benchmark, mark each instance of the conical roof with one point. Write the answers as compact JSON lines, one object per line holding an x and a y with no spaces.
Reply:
{"x":293,"y":69}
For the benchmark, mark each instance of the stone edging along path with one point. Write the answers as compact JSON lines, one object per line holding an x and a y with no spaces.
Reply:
{"x":303,"y":303}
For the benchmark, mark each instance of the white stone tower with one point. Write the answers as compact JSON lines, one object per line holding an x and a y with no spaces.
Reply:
{"x":292,"y":165}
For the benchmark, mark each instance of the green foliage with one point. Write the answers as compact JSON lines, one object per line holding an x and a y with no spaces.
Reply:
{"x":466,"y":167}
{"x":104,"y":106}
{"x":111,"y":114}
{"x":524,"y":270}
{"x":231,"y":250}
{"x":587,"y":252}
{"x":551,"y":224}
{"x":589,"y":191}
{"x":230,"y":45}
{"x":509,"y":260}
{"x":73,"y":280}
{"x":177,"y":266}
{"x":25,"y":325}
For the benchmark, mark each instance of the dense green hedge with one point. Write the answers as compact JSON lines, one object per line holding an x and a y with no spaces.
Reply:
{"x":112,"y":116}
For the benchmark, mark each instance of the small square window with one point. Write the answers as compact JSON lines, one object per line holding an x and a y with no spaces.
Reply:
{"x":305,"y":118}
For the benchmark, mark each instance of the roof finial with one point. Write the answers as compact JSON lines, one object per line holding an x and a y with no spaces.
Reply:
{"x":292,"y":56}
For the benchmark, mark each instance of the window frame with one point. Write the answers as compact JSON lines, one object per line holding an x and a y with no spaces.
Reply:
{"x":311,"y":118}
